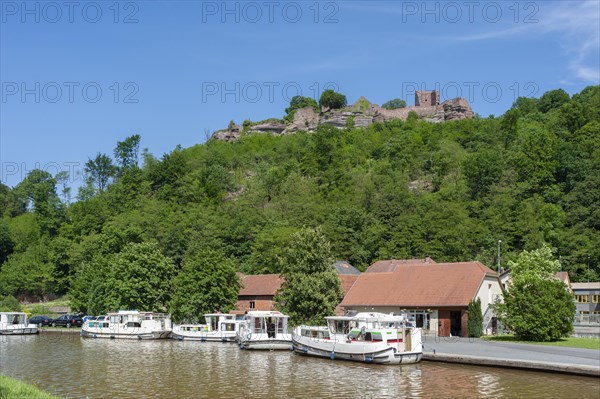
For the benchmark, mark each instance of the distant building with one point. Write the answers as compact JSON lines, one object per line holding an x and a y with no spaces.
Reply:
{"x":382,"y":266}
{"x":587,"y":302}
{"x":258,"y":290}
{"x":436,"y":295}
{"x":506,"y":279}
{"x":427,"y":98}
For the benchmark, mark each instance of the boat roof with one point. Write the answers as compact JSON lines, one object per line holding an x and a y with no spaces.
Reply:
{"x":19,"y":313}
{"x":315,"y":328}
{"x":133,"y":312}
{"x":370,"y":316}
{"x":265,"y":313}
{"x":220,"y":314}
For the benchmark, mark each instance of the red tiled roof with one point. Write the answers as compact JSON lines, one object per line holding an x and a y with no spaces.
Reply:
{"x":410,"y":285}
{"x":260,"y":284}
{"x":386,"y":266}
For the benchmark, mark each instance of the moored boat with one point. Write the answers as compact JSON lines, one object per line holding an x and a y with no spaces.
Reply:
{"x":365,"y":337}
{"x":218,"y":327}
{"x":129,"y":324}
{"x":16,"y":323}
{"x":264,"y":330}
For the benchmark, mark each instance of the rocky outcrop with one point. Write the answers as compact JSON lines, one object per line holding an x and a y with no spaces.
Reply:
{"x":275,"y":128}
{"x":232,"y":133}
{"x":360,"y":114}
{"x":457,"y":108}
{"x":304,"y":119}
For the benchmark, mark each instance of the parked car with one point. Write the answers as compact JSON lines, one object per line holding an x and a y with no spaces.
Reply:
{"x":68,"y":320}
{"x":40,"y":320}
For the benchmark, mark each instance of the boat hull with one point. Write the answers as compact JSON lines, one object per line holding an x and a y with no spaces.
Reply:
{"x":123,"y":335}
{"x":19,"y":331}
{"x":369,"y":353}
{"x":267,"y":344}
{"x":202,"y":338}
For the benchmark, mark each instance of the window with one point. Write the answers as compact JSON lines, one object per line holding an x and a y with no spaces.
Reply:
{"x":595,"y":298}
{"x":581,"y":298}
{"x":252,"y":304}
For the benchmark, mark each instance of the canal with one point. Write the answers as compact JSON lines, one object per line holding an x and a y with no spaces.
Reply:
{"x":68,"y":366}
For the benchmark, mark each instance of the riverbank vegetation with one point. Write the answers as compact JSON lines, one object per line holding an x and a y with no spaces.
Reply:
{"x":571,"y":342}
{"x":11,"y":388}
{"x":392,"y":190}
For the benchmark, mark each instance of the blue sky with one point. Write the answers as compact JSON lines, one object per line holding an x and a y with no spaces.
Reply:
{"x":78,"y":77}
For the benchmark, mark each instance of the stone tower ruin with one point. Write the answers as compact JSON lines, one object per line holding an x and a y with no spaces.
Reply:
{"x":427,"y":98}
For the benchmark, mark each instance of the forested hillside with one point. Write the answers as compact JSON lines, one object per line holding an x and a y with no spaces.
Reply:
{"x":399,"y":189}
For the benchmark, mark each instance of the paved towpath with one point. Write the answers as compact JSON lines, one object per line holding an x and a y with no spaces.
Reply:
{"x":507,"y":354}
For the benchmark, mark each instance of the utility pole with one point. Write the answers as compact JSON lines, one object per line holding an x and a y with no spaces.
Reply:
{"x":588,"y":268}
{"x":499,"y":265}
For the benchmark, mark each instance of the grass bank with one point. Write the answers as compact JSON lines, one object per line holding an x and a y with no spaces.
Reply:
{"x":571,"y":342}
{"x":15,"y":389}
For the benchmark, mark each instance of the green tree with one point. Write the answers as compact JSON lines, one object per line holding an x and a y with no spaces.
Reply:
{"x":6,"y":242}
{"x":39,"y":188}
{"x":9,"y":304}
{"x":207,"y":283}
{"x":475,"y":319}
{"x":394,"y":104}
{"x":137,"y":277}
{"x":538,"y":264}
{"x":332,"y":100}
{"x":141,"y":278}
{"x":541,"y":310}
{"x":311,"y":289}
{"x":482,"y":170}
{"x":553,"y":99}
{"x":99,"y":172}
{"x":127,"y":153}
{"x":537,"y":306}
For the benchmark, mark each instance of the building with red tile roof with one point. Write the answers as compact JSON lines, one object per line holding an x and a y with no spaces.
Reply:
{"x":258,"y":291}
{"x":435,"y":294}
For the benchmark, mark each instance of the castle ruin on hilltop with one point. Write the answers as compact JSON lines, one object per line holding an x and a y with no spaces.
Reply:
{"x":360,"y":114}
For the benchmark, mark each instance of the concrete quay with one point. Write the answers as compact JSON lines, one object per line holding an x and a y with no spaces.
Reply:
{"x":513,"y":355}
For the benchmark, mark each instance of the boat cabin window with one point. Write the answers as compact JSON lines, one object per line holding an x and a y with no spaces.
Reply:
{"x":134,"y":324}
{"x":228,"y":327}
{"x":16,"y":319}
{"x":281,"y":324}
{"x":376,"y":336}
{"x":339,"y":326}
{"x":258,"y":325}
{"x":214,"y":323}
{"x":318,"y":334}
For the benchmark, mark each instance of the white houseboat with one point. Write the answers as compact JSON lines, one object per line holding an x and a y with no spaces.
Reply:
{"x":129,"y":324}
{"x":264,"y":330}
{"x":365,"y":337}
{"x":218,"y":327}
{"x":13,"y":323}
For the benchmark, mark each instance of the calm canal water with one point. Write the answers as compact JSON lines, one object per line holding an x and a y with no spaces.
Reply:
{"x":69,"y":366}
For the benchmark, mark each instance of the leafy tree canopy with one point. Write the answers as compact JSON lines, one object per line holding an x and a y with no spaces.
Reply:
{"x":394,"y":104}
{"x":332,"y":100}
{"x":311,"y":289}
{"x":207,"y":283}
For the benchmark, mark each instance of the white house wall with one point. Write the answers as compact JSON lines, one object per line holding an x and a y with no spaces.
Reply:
{"x":488,"y":291}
